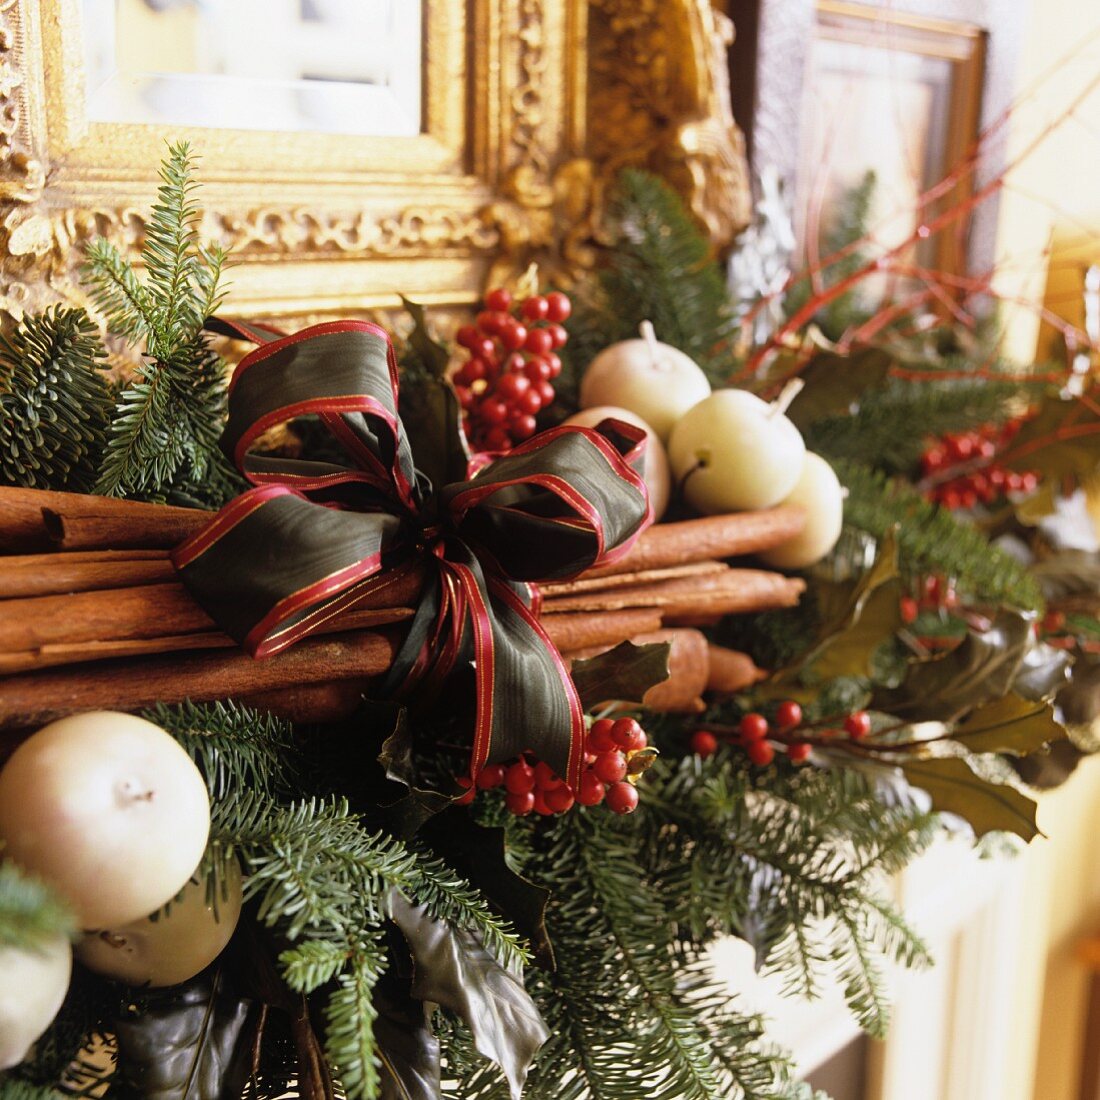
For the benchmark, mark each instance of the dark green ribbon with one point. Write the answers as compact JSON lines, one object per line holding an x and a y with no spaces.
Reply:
{"x":311,"y":539}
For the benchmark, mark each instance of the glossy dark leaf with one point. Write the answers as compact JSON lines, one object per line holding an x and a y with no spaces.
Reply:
{"x":407,"y":814}
{"x":834,"y":383}
{"x":1011,"y":724}
{"x":184,"y":1043}
{"x":453,"y":969}
{"x":480,"y":855}
{"x":1079,"y":702}
{"x":988,"y":807}
{"x":407,"y":1047}
{"x":624,"y":673}
{"x":860,"y":619}
{"x":429,"y":350}
{"x":1044,"y":670}
{"x":983,"y":667}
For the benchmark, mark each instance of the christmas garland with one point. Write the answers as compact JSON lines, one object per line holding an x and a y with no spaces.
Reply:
{"x":468,"y":887}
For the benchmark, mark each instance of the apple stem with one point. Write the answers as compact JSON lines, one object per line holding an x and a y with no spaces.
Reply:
{"x":789,"y":392}
{"x":649,"y":335}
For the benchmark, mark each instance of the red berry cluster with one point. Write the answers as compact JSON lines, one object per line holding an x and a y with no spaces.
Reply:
{"x":760,"y":738}
{"x":532,"y":786}
{"x":980,"y":479}
{"x":936,"y":594}
{"x":506,"y":380}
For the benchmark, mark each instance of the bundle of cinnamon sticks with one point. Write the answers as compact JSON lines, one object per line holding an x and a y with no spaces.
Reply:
{"x":92,"y":615}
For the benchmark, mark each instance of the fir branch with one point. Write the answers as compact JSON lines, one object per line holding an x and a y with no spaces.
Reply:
{"x":163,"y":442}
{"x":660,"y":268}
{"x":932,"y":541}
{"x":350,"y":1016}
{"x":880,"y":432}
{"x":31,"y":914}
{"x":54,"y":402}
{"x":312,"y":963}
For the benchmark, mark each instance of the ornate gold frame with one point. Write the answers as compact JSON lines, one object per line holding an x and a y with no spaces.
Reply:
{"x":555,"y":96}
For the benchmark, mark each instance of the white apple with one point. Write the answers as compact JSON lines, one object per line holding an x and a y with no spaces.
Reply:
{"x":33,"y":983}
{"x":655,"y":381}
{"x":733,"y":452}
{"x":820,"y":495}
{"x":168,"y":948}
{"x":655,"y":471}
{"x":109,"y":810}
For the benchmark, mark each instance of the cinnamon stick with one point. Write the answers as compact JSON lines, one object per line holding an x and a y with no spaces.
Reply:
{"x":55,"y":574}
{"x":151,"y":611}
{"x":577,"y":630}
{"x":37,"y":697}
{"x":731,"y":671}
{"x":708,"y":538}
{"x":584,"y":583}
{"x":733,"y":590}
{"x":38,"y":519}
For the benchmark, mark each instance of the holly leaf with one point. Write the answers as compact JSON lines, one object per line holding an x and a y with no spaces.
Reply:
{"x":479,"y":853}
{"x":432,"y":354}
{"x":1012,"y":725}
{"x":453,"y":969}
{"x":982,"y":667}
{"x":407,"y":1047}
{"x":859,"y":620}
{"x":624,"y":673}
{"x":988,"y":807}
{"x":184,"y":1043}
{"x":407,"y":814}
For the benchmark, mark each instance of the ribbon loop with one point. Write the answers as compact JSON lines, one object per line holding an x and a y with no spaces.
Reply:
{"x":312,"y":538}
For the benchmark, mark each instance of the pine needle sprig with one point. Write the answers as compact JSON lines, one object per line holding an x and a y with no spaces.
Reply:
{"x":55,"y":403}
{"x":660,"y":267}
{"x":932,"y":541}
{"x":880,"y":432}
{"x":163,"y":438}
{"x":350,"y":1016}
{"x":31,"y":914}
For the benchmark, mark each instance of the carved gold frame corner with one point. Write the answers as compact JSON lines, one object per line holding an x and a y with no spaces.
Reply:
{"x":557,"y":95}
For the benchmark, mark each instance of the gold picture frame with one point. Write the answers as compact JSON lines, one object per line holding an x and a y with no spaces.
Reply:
{"x":530,"y":107}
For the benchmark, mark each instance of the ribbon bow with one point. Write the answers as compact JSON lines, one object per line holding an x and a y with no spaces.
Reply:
{"x":310,"y":539}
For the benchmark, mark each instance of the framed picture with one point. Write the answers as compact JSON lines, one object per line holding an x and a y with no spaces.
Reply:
{"x":828,"y":90}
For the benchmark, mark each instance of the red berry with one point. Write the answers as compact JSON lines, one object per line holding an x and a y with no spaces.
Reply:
{"x":492,"y":775}
{"x":472,"y":371}
{"x":513,"y":335}
{"x":628,"y":735}
{"x":704,"y":743}
{"x":599,"y":736}
{"x":466,"y":798}
{"x":909,"y":609}
{"x":1029,"y":482}
{"x":622,"y":798}
{"x":788,"y":715}
{"x":986,"y":449}
{"x":485,"y":349}
{"x":541,"y":805}
{"x":519,"y":778}
{"x":511,"y":386}
{"x":538,"y":370}
{"x":554,"y":363}
{"x":539,"y":341}
{"x":493,"y":323}
{"x":592,"y":789}
{"x":610,"y":766}
{"x":498,"y":440}
{"x":760,"y":753}
{"x":797,"y":752}
{"x":536,"y":308}
{"x":753,"y":727}
{"x":960,"y":447}
{"x":545,"y":777}
{"x":520,"y":803}
{"x":468,"y":336}
{"x":558,"y":306}
{"x":933,"y":459}
{"x":546,"y":392}
{"x":530,"y":401}
{"x":1054,"y":621}
{"x":558,"y":335}
{"x":858,"y":724}
{"x":559,"y":798}
{"x":498,"y":299}
{"x":523,"y":427}
{"x":493,"y":412}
